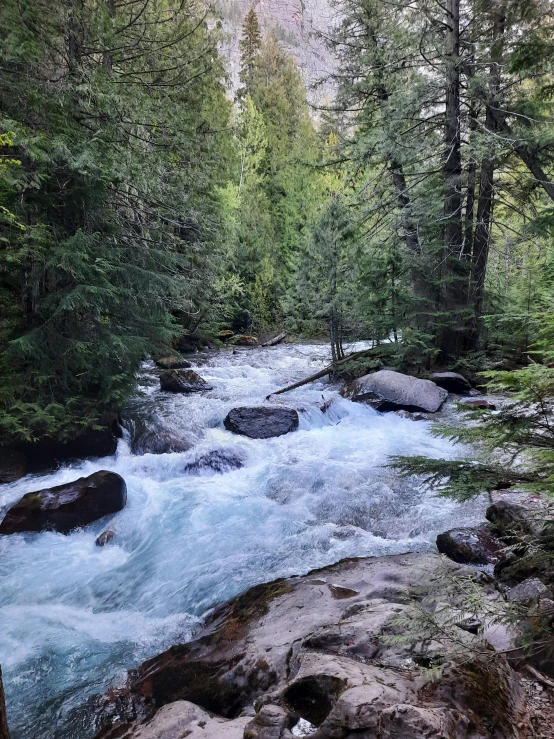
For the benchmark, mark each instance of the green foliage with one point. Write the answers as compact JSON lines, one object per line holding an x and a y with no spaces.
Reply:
{"x":114,"y":245}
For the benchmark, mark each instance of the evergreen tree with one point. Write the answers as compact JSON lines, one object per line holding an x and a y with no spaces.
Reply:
{"x":112,"y":114}
{"x":249,"y":45}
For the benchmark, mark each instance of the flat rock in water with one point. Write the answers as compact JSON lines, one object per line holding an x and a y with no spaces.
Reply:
{"x":291,"y":649}
{"x":451,"y":381}
{"x":470,"y":546}
{"x":387,"y":390}
{"x":182,"y":381}
{"x":66,"y":507}
{"x":262,"y":422}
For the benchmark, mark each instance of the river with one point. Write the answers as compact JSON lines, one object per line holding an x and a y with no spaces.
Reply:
{"x":74,"y":617}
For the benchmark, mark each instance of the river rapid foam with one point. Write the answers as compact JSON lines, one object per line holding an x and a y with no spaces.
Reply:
{"x":74,"y":617}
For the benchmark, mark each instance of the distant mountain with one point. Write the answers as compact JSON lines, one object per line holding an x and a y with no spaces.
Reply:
{"x":296,"y":23}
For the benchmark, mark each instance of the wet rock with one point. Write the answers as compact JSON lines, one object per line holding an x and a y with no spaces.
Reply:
{"x":159,"y":441}
{"x":327,"y":404}
{"x":105,"y":538}
{"x":217,"y":460}
{"x":470,"y":546}
{"x":168,"y":363}
{"x":478,"y":404}
{"x":412,"y":416}
{"x":530,"y":589}
{"x":387,"y":390}
{"x":262,"y":422}
{"x":246,"y":341}
{"x":69,"y":506}
{"x":451,"y":381}
{"x":193,"y":343}
{"x":293,"y":651}
{"x":100,"y":441}
{"x":225,"y":335}
{"x":13,"y":465}
{"x":182,"y":381}
{"x":508,"y":517}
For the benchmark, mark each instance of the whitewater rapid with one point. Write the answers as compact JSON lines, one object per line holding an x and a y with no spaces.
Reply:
{"x":74,"y":617}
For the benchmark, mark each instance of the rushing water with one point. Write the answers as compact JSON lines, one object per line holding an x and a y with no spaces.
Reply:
{"x":74,"y":617}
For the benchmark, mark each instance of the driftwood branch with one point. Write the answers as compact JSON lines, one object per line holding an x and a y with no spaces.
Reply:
{"x":276,"y":339}
{"x":322,"y":373}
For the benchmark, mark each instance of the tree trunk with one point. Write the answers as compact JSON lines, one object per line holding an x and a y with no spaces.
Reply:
{"x":481,"y":242}
{"x":454,"y":291}
{"x":4,"y":732}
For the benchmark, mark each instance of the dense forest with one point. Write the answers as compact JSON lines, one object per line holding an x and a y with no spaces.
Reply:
{"x":142,"y":201}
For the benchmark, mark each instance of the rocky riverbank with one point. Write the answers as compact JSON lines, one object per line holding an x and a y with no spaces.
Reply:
{"x":329,"y":654}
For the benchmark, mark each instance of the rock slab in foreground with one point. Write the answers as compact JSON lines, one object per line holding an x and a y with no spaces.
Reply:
{"x":291,"y":649}
{"x":66,"y":507}
{"x":387,"y":390}
{"x":182,"y":381}
{"x":261,"y":423}
{"x":471,"y":546}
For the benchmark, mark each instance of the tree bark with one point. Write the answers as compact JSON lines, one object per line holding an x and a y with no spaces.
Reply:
{"x":454,"y":285}
{"x":4,"y":732}
{"x":481,"y":242}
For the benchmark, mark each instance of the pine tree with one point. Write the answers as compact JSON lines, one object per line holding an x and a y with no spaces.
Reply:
{"x":249,"y":45}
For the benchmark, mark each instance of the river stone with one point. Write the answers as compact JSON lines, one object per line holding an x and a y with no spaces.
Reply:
{"x":169,"y":363}
{"x":159,"y":441}
{"x":262,"y":422}
{"x":292,"y":650}
{"x":216,"y":460}
{"x":184,"y":719}
{"x":69,"y":506}
{"x":182,"y":381}
{"x":470,"y":546}
{"x":530,"y":589}
{"x":105,"y":538}
{"x":451,"y":381}
{"x":479,"y":404}
{"x":387,"y":390}
{"x":508,"y":517}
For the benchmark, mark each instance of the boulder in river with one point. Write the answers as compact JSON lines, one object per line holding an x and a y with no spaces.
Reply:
{"x":289,"y":649}
{"x":471,"y":546}
{"x":262,"y":422}
{"x":451,"y":381}
{"x":216,"y":460}
{"x":479,"y":404}
{"x":69,"y":506}
{"x":173,"y":362}
{"x":159,"y":441}
{"x":105,"y":538}
{"x":182,"y":381}
{"x":387,"y":390}
{"x":245,"y":341}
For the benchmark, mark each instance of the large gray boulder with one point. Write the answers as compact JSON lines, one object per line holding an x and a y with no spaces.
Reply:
{"x":318,"y":647}
{"x":262,"y":422}
{"x":387,"y":390}
{"x":66,"y":507}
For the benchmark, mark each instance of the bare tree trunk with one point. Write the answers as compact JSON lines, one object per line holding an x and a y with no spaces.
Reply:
{"x":481,"y":242}
{"x":4,"y":731}
{"x":454,"y":331}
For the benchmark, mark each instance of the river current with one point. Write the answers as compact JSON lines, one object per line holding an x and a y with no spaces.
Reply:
{"x":198,"y":529}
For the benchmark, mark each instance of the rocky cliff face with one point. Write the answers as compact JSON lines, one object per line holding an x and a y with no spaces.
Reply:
{"x":296,"y":23}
